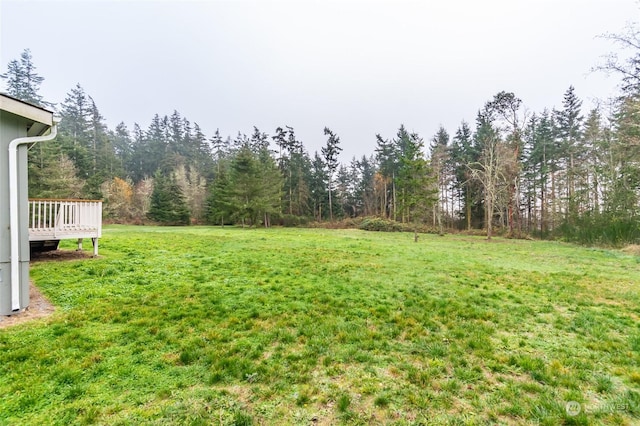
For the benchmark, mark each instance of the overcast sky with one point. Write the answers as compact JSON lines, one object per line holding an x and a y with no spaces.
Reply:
{"x":358,"y":67}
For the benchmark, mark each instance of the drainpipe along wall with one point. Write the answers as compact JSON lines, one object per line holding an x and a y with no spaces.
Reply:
{"x":14,"y":210}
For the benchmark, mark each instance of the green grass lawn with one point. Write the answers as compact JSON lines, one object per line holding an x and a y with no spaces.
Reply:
{"x":204,"y":325}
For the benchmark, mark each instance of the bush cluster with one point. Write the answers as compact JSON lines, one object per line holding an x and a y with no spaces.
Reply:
{"x":603,"y":229}
{"x":291,"y":221}
{"x":380,"y":224}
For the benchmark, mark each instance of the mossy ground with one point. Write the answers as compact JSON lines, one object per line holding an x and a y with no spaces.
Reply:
{"x":202,"y":325}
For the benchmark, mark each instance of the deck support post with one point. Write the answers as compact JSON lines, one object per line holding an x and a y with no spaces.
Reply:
{"x":79,"y":244}
{"x":94,"y":241}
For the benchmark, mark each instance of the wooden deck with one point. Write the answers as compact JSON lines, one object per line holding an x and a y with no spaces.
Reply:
{"x":55,"y":220}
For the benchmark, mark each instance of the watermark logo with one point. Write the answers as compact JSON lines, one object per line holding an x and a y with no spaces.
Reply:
{"x":573,"y":408}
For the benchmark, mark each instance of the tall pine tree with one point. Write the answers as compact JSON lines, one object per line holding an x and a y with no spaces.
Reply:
{"x":22,"y":80}
{"x":330,"y":153}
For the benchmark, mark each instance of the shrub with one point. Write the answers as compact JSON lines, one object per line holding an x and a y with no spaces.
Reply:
{"x":380,"y":224}
{"x":289,"y":220}
{"x":601,"y":230}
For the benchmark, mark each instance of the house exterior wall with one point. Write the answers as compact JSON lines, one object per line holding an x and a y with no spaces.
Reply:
{"x":11,"y":127}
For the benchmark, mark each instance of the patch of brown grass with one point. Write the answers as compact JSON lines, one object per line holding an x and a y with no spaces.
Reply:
{"x":632,"y":249}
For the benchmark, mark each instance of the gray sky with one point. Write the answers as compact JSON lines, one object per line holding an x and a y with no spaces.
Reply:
{"x":358,"y":67}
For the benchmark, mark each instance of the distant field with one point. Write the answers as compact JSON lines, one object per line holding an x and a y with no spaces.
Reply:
{"x":206,"y":326}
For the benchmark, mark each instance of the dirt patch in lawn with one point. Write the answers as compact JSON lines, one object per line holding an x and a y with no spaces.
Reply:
{"x":60,"y":255}
{"x":39,"y":307}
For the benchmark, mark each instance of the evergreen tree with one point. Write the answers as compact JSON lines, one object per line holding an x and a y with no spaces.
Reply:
{"x":296,"y":186}
{"x":281,"y":141}
{"x":365,"y":185}
{"x":255,"y":183}
{"x":220,"y":149}
{"x":43,"y":158}
{"x":355,"y":183}
{"x":463,"y":153}
{"x":596,"y":148}
{"x":175,"y":135}
{"x":245,"y":181}
{"x":292,"y":161}
{"x":539,"y":169}
{"x":416,"y":192}
{"x":168,"y":205}
{"x":140,"y":164}
{"x":271,"y":181}
{"x":439,"y":149}
{"x":387,"y":160}
{"x":86,"y":140}
{"x":22,"y":81}
{"x":318,"y":184}
{"x":75,"y":129}
{"x":241,"y":141}
{"x":203,"y":160}
{"x":154,"y":150}
{"x":571,"y":150}
{"x":259,"y":141}
{"x":104,"y":163}
{"x":122,"y":145}
{"x":344,"y":201}
{"x":220,"y":199}
{"x":56,"y":178}
{"x":330,"y":153}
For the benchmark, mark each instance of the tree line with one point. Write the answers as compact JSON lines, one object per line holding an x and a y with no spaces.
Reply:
{"x":558,"y":172}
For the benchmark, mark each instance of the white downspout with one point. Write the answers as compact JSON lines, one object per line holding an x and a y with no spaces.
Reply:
{"x":13,"y":208}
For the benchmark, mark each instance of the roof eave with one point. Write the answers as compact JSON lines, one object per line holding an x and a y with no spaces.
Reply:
{"x":42,"y":118}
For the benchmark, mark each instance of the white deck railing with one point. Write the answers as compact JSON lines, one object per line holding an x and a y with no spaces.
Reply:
{"x":64,"y":219}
